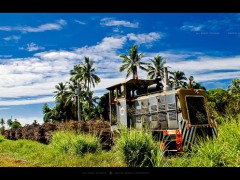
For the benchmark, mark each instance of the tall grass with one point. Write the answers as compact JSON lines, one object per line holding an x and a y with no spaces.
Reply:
{"x":41,"y":155}
{"x":1,"y":138}
{"x":223,"y":151}
{"x":138,"y":148}
{"x":78,"y":144}
{"x":133,"y":149}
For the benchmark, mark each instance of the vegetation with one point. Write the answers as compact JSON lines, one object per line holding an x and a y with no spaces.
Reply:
{"x":39,"y":155}
{"x":77,"y":144}
{"x":137,"y":148}
{"x":133,"y":148}
{"x":2,"y":122}
{"x":132,"y":62}
{"x":224,"y":103}
{"x":155,"y":70}
{"x":81,"y":80}
{"x":177,"y":79}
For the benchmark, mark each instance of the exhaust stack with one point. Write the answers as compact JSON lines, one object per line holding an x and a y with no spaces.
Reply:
{"x":166,"y":87}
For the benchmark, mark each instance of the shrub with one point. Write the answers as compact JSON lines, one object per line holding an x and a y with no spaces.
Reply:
{"x":71,"y":142}
{"x":136,"y":147}
{"x":1,"y":138}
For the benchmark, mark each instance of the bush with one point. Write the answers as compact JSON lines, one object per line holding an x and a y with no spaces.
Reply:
{"x":1,"y":138}
{"x":136,"y":147}
{"x":222,"y":151}
{"x":70,"y":142}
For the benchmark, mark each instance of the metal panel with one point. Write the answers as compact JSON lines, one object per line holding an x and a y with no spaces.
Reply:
{"x":122,"y":112}
{"x":153,"y":101}
{"x":162,"y":103}
{"x":144,"y":105}
{"x":171,"y":111}
{"x":162,"y":116}
{"x":138,"y":122}
{"x":154,"y":123}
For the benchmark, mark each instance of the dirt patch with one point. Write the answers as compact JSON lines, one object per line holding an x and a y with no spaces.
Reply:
{"x":43,"y":133}
{"x":7,"y":161}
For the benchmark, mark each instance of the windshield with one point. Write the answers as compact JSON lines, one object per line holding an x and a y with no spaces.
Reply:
{"x":196,"y":110}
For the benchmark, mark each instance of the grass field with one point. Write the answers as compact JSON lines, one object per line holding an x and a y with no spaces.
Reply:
{"x":134,"y":149}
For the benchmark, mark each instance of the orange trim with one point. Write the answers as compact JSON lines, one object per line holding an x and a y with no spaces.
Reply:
{"x":213,"y":124}
{"x":162,"y":145}
{"x":165,"y":132}
{"x":179,"y":141}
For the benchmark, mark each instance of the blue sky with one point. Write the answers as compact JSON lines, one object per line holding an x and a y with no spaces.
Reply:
{"x":37,"y":51}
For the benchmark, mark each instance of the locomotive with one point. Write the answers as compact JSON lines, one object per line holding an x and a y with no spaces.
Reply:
{"x":175,"y":116}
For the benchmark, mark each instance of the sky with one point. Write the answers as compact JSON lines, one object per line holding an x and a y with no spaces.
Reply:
{"x":38,"y":50}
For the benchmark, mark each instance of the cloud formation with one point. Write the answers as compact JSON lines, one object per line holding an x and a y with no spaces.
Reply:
{"x":32,"y":80}
{"x":32,"y":47}
{"x":113,"y":22}
{"x":145,"y":38}
{"x":79,"y":22}
{"x":194,"y":28}
{"x":13,"y":37}
{"x":58,"y":25}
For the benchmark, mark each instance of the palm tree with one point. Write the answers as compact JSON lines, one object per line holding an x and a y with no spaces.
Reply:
{"x":177,"y":78}
{"x":61,"y":91}
{"x":61,"y":94}
{"x":9,"y":122}
{"x":2,"y":122}
{"x":84,"y":72}
{"x":131,"y":62}
{"x":155,"y":70}
{"x":71,"y":99}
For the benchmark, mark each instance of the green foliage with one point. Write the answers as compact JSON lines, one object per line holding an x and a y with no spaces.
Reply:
{"x":2,"y":122}
{"x":222,"y":151}
{"x":2,"y":138}
{"x":16,"y":124}
{"x":219,"y":98}
{"x":47,"y":114}
{"x":78,"y":144}
{"x":66,"y":101}
{"x":103,"y":106}
{"x":132,"y":62}
{"x":137,"y":148}
{"x":9,"y":122}
{"x":177,"y":79}
{"x":2,"y":128}
{"x":155,"y":70}
{"x":41,"y":155}
{"x":234,"y":87}
{"x":225,"y":102}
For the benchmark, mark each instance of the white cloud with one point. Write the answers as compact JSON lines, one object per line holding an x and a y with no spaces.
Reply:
{"x":5,"y":28}
{"x":29,"y":120}
{"x":13,"y":37}
{"x":26,"y":101}
{"x":3,"y":108}
{"x":206,"y":64}
{"x":79,"y":22}
{"x":145,"y":38}
{"x":113,"y":22}
{"x":37,"y":76}
{"x":33,"y":79}
{"x":62,"y":21}
{"x":223,"y":23}
{"x":192,"y":27}
{"x":32,"y":47}
{"x":205,"y":77}
{"x":41,"y":28}
{"x":6,"y":56}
